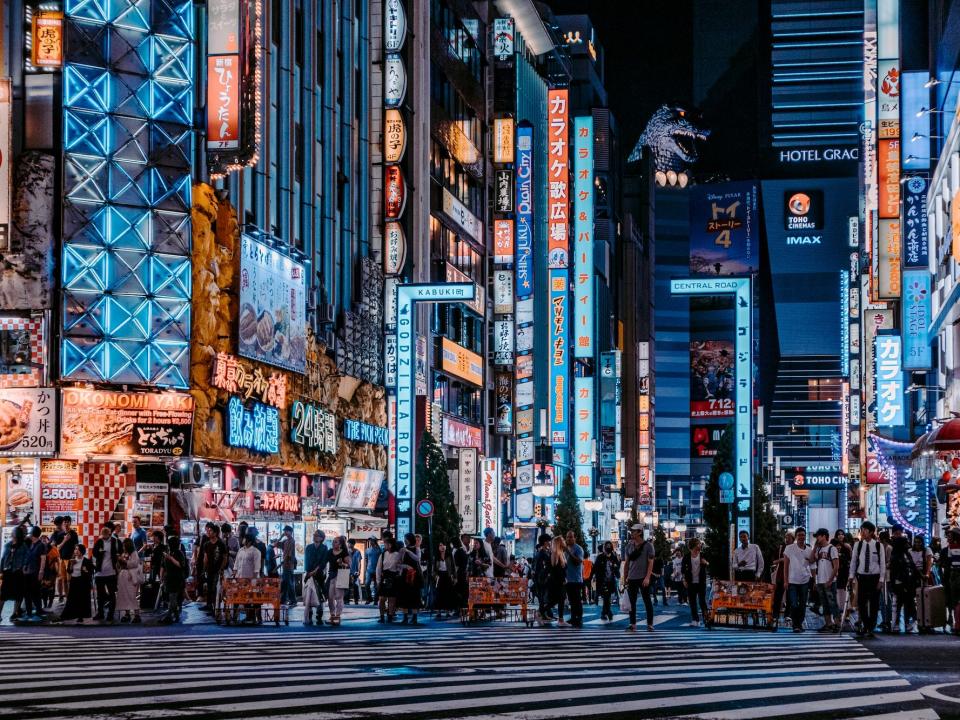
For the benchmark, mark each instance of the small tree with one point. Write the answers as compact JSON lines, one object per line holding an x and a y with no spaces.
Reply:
{"x":433,"y":483}
{"x":661,"y":545}
{"x":568,"y":515}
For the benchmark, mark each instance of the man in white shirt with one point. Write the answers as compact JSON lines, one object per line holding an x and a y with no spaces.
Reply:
{"x":796,"y":560}
{"x":867,"y":568}
{"x":747,"y":560}
{"x":828,"y":564}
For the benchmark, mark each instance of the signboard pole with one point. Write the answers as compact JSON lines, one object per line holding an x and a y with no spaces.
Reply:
{"x":404,"y":481}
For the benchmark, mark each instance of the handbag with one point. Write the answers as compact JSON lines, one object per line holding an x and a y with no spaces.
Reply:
{"x":343,"y":578}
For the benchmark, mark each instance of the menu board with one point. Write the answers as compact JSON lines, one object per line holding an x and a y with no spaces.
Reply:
{"x":28,"y":421}
{"x":59,"y":490}
{"x":20,"y":486}
{"x":102,"y":422}
{"x":272,"y":307}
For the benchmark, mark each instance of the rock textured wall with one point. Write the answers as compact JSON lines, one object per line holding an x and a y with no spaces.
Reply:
{"x":216,"y":240}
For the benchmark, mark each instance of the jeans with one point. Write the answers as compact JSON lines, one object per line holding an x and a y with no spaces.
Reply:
{"x":575,"y":598}
{"x":335,"y":598}
{"x":288,"y":589}
{"x":174,"y":603}
{"x":106,"y":595}
{"x":797,"y":600}
{"x":658,"y":585}
{"x":210,"y":585}
{"x":828,"y":599}
{"x":698,"y":603}
{"x":868,"y":600}
{"x":906,"y":598}
{"x":370,"y":586}
{"x":634,"y":588}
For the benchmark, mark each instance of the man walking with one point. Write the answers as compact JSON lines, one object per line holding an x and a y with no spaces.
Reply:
{"x":371,"y":557}
{"x":867,"y":570}
{"x":316,"y":557}
{"x":355,"y":559}
{"x":638,"y":556}
{"x":288,"y":566}
{"x":796,"y":559}
{"x":695,"y":568}
{"x":828,"y":565}
{"x":747,"y":560}
{"x":574,"y":580}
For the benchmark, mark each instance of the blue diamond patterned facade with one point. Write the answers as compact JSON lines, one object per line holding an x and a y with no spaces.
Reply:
{"x":128,"y":108}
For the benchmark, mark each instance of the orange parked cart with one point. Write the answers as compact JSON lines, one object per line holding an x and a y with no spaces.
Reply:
{"x":743,"y":604}
{"x":497,"y":599}
{"x":242,"y":594}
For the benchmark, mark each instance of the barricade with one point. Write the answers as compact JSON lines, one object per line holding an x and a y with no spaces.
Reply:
{"x":496,"y":599}
{"x":259,"y":596}
{"x":743,"y":604}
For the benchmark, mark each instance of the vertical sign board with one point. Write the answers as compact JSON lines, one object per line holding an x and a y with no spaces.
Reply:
{"x":403,"y":476}
{"x":583,"y":437}
{"x":609,"y":445}
{"x":558,"y":356}
{"x":6,"y":167}
{"x":223,"y":102}
{"x":913,"y":225}
{"x":467,"y":497}
{"x":916,"y":319}
{"x":583,"y":237}
{"x":490,"y":494}
{"x":524,"y":211}
{"x":503,"y":38}
{"x":888,"y":356}
{"x":558,"y":178}
{"x":743,"y":378}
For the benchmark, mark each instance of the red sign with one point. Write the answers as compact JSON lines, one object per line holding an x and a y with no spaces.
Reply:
{"x":395,"y":192}
{"x":558,"y":177}
{"x":223,"y":102}
{"x":503,"y":242}
{"x":459,"y":434}
{"x":711,"y":408}
{"x":279,"y":502}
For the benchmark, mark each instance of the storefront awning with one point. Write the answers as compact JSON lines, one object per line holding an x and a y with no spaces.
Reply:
{"x":945,"y":438}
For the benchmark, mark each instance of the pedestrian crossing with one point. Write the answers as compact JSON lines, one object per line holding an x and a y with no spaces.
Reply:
{"x":444,"y":670}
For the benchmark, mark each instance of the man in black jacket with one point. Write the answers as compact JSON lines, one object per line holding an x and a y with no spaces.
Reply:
{"x":106,"y":556}
{"x":606,"y":570}
{"x":541,"y":577}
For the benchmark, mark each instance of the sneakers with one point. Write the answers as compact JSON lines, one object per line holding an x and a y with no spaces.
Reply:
{"x":694,"y":623}
{"x":563,"y":623}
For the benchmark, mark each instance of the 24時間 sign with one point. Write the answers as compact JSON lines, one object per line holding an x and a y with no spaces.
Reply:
{"x":313,"y":427}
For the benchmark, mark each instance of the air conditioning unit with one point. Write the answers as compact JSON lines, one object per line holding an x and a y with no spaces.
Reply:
{"x":326,"y":313}
{"x":200,"y":473}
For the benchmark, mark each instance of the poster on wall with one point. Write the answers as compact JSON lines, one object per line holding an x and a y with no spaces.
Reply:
{"x":467,"y":495}
{"x":28,"y":421}
{"x":723,"y":229}
{"x":223,"y":102}
{"x":273,"y":299}
{"x":711,"y":378}
{"x":359,"y":489}
{"x":503,"y":387}
{"x":59,"y":490}
{"x":103,"y":422}
{"x":20,"y":485}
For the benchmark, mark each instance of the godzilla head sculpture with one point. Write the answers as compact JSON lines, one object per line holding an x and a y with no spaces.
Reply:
{"x":672,"y":136}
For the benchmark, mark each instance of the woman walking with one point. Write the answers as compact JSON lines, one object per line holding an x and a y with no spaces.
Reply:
{"x":695,"y":579}
{"x":388,"y":573}
{"x":339,"y":560}
{"x":246,"y":566}
{"x":556,"y":584}
{"x":446,"y":598}
{"x":606,"y":569}
{"x":80,"y":572}
{"x":11,"y":566}
{"x":128,"y":583}
{"x":408,"y":597}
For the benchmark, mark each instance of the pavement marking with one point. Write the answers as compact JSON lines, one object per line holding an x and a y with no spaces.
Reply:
{"x":840,"y":703}
{"x":933,"y":691}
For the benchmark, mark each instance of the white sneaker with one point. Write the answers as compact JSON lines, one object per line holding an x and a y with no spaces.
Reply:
{"x":912,"y":627}
{"x":695,"y":623}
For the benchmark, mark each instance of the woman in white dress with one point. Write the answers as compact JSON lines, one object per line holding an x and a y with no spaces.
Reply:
{"x":129,"y":582}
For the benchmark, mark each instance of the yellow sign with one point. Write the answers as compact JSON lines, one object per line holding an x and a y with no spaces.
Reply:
{"x":462,"y":362}
{"x":503,"y":140}
{"x":47,"y":39}
{"x":394,"y":136}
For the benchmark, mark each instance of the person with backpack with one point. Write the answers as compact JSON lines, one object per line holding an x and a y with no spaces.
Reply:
{"x":606,"y":570}
{"x":904,"y":581}
{"x":828,"y":565}
{"x":638,"y":556}
{"x":867,"y":571}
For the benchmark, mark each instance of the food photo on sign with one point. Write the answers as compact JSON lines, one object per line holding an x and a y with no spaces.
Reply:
{"x":27,"y":421}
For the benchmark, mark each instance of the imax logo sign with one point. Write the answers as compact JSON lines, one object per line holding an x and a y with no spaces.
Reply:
{"x":804,"y":239}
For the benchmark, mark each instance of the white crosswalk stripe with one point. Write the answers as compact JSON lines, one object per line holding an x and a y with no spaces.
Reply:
{"x":446,"y":671}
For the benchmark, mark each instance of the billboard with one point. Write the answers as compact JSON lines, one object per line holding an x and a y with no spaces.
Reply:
{"x":559,"y":361}
{"x":914,"y":224}
{"x":59,"y":490}
{"x":359,"y":489}
{"x":28,"y":422}
{"x":223,"y":102}
{"x":888,"y":356}
{"x":711,"y":379}
{"x":916,"y":319}
{"x":462,"y":363}
{"x":273,"y":305}
{"x":503,"y":140}
{"x":888,"y":166}
{"x":558,"y":178}
{"x":503,"y":394}
{"x":705,"y":440}
{"x":583,"y":435}
{"x":610,"y":398}
{"x":723,"y":229}
{"x":583,"y":238}
{"x":524,"y":211}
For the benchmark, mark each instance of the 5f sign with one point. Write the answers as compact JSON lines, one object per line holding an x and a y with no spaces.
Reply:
{"x":406,"y":333}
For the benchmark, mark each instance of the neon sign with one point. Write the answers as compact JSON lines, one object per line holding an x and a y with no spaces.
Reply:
{"x":256,"y":428}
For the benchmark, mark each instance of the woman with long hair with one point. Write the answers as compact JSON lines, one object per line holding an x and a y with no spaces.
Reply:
{"x":411,"y":580}
{"x":558,"y":577}
{"x":128,"y":583}
{"x":446,"y":598}
{"x":388,"y":579}
{"x":339,"y":560}
{"x":80,"y":572}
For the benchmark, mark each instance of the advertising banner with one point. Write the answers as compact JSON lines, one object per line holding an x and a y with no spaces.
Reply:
{"x":503,"y":346}
{"x":888,"y":260}
{"x":916,"y":319}
{"x":461,"y":362}
{"x":723,"y":229}
{"x":503,"y":38}
{"x":583,"y":435}
{"x":583,"y":345}
{"x":103,"y":422}
{"x":223,"y":27}
{"x":889,"y":169}
{"x":467,"y":497}
{"x":503,"y":389}
{"x":47,"y":50}
{"x":394,"y":136}
{"x":558,"y":358}
{"x":273,"y":304}
{"x":705,"y":440}
{"x":223,"y":102}
{"x":59,"y":490}
{"x":558,"y":178}
{"x":503,"y":244}
{"x":711,"y":379}
{"x":503,"y":193}
{"x":503,"y":140}
{"x":888,"y":355}
{"x":28,"y":422}
{"x":609,"y":445}
{"x":394,"y":81}
{"x":914,"y":227}
{"x":503,"y":292}
{"x":460,"y":434}
{"x":490,"y":494}
{"x":394,"y":25}
{"x":359,"y":489}
{"x":524,"y":211}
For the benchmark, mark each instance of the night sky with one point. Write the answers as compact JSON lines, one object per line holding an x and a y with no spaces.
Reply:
{"x":647,"y":51}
